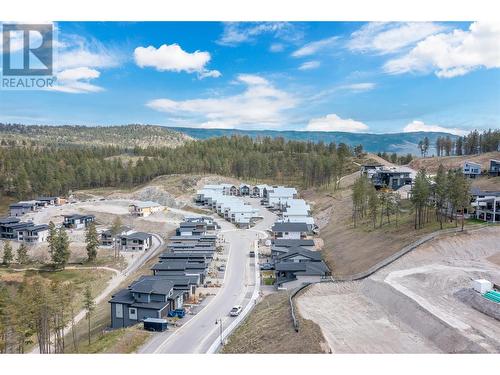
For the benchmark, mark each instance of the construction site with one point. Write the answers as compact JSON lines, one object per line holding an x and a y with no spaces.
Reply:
{"x":427,"y":301}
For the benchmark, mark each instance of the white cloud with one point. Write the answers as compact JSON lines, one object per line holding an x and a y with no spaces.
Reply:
{"x":390,"y":37}
{"x":452,"y":54}
{"x":308,"y":65}
{"x":313,"y":47}
{"x":259,"y":105}
{"x":174,"y":59}
{"x":276,"y":47}
{"x":76,"y":81}
{"x":332,"y":122}
{"x":243,"y":32}
{"x":359,"y":87}
{"x":73,"y":51}
{"x":419,"y":126}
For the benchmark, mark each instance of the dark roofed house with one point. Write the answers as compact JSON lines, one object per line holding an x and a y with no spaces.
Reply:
{"x":145,"y":298}
{"x":290,"y":230}
{"x":137,"y":241}
{"x":295,"y":274}
{"x":107,"y":238}
{"x":21,"y":208}
{"x":6,"y":230}
{"x":32,"y":233}
{"x":185,"y":268}
{"x":298,"y":255}
{"x":77,"y":221}
{"x":494,"y":169}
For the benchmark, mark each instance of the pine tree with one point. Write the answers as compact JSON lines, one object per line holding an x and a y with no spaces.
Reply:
{"x":373,"y":203}
{"x":89,"y":305}
{"x":92,"y":240}
{"x":22,"y":254}
{"x":52,"y":240}
{"x":115,"y":230}
{"x":7,"y":254}
{"x":441,"y":193}
{"x":61,"y":254}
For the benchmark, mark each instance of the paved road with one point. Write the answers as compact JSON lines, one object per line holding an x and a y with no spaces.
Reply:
{"x":199,"y":331}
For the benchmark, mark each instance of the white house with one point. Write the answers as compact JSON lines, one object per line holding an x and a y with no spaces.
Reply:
{"x":278,"y":196}
{"x":487,"y":205}
{"x":293,"y":231}
{"x":33,"y":233}
{"x":471,"y":169}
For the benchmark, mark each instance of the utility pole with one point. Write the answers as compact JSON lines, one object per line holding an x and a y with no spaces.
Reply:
{"x":221,"y":330}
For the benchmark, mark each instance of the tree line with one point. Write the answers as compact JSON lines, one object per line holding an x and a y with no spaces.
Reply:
{"x":471,"y":144}
{"x":29,"y":171}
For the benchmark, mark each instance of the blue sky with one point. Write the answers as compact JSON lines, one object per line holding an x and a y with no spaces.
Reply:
{"x":326,"y":76}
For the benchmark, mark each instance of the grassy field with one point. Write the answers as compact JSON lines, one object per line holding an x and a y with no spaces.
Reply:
{"x":269,"y":329}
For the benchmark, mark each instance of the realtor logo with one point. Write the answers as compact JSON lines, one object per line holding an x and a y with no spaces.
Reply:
{"x":27,"y":49}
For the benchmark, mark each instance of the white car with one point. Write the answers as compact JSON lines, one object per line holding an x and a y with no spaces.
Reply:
{"x":235,"y":311}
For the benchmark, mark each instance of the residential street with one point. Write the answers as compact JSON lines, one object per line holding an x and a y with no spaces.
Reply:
{"x":198,"y":332}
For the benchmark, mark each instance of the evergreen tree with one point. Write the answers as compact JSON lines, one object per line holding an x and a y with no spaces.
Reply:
{"x":92,"y":240}
{"x":89,"y":306}
{"x":62,"y":252}
{"x":7,"y":254}
{"x":441,"y":193}
{"x":22,"y":254}
{"x":52,"y":240}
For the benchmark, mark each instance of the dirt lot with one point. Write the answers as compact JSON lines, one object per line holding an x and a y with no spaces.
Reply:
{"x":410,"y":305}
{"x":269,"y":329}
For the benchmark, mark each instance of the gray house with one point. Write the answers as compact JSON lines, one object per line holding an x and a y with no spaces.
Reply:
{"x":7,"y":225}
{"x":137,"y":241}
{"x":107,"y":238}
{"x":471,"y":169}
{"x":392,"y":178}
{"x":494,"y":169}
{"x":77,"y":221}
{"x":293,"y":231}
{"x":21,"y":208}
{"x":294,"y":274}
{"x":181,"y":268}
{"x":145,"y":298}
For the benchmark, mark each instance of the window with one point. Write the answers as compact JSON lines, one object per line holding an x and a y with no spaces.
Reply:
{"x":119,"y":310}
{"x":132,"y":313}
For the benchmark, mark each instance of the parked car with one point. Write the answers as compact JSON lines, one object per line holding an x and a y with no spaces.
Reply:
{"x":222,"y":267}
{"x":252,"y":254}
{"x":235,"y":311}
{"x":267,"y":266}
{"x":180,"y":313}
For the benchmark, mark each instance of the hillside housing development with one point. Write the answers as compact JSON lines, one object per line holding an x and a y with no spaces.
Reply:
{"x":180,"y":270}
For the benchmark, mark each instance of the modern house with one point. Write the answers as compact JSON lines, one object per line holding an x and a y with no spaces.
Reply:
{"x":290,"y":230}
{"x":193,"y":256}
{"x":144,"y":209}
{"x":135,"y":241}
{"x":144,"y":298}
{"x":50,"y":201}
{"x":187,"y":228}
{"x":277,"y":196}
{"x":107,"y":237}
{"x":22,"y":208}
{"x":209,"y":221}
{"x":258,"y":190}
{"x":178,"y":268}
{"x":292,"y":274}
{"x":370,"y":169}
{"x":297,"y":211}
{"x":486,"y":205}
{"x":392,"y":178}
{"x":245,"y":190}
{"x":7,"y":225}
{"x":471,"y":169}
{"x":282,"y":246}
{"x":77,"y":221}
{"x":494,"y":169}
{"x":32,"y":233}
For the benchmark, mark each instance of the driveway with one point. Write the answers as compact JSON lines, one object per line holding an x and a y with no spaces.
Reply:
{"x":199,"y":331}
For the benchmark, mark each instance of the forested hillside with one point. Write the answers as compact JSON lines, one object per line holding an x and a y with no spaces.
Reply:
{"x":122,"y":136}
{"x":28,"y":171}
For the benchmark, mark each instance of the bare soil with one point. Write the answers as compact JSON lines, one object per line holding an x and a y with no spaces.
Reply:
{"x":269,"y":329}
{"x":431,"y":164}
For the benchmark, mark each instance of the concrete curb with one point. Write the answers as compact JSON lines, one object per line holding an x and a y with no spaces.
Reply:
{"x":214,"y":348}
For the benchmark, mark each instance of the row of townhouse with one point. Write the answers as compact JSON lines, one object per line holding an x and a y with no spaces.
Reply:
{"x":12,"y":228}
{"x":174,"y":279}
{"x":293,"y":254}
{"x":473,"y":170}
{"x":229,"y":207}
{"x":23,"y":207}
